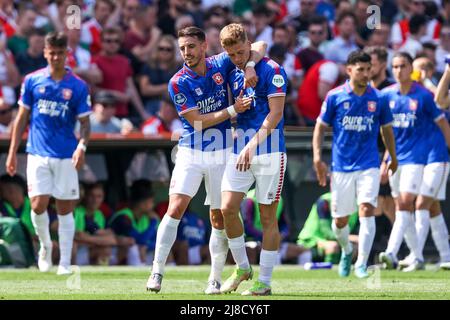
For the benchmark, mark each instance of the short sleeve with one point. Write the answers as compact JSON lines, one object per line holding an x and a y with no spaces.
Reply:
{"x":327,"y":112}
{"x":181,"y":97}
{"x":386,"y":117}
{"x":430,"y":107}
{"x":84,"y":102}
{"x":276,"y":81}
{"x":26,"y":93}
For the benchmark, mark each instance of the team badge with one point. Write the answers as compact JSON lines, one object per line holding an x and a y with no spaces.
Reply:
{"x":392,"y":104}
{"x":218,"y":79}
{"x":198,"y":91}
{"x":180,"y":99}
{"x":67,"y":94}
{"x":41,"y":89}
{"x":346,"y":105}
{"x":413,"y":104}
{"x":371,"y":106}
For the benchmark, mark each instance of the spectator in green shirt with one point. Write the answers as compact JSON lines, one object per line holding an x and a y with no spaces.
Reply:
{"x":318,"y":235}
{"x":18,"y":43}
{"x":93,"y":241}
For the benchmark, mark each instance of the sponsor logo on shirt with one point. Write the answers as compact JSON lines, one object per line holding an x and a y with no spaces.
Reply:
{"x":403,"y":120}
{"x":52,"y":108}
{"x":218,"y":79}
{"x":180,"y":99}
{"x":392,"y":104}
{"x":278,"y":80}
{"x":371,"y":106}
{"x":357,"y":123}
{"x":198,"y":91}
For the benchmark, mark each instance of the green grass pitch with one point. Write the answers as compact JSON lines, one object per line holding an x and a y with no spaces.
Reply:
{"x":188,"y":283}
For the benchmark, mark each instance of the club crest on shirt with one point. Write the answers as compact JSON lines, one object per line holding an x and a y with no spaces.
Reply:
{"x":346,"y":105}
{"x":67,"y":94}
{"x":180,"y":99}
{"x":392,"y":104}
{"x":218,"y":79}
{"x":413,"y":104}
{"x":371,"y":106}
{"x":41,"y":89}
{"x":198,"y":91}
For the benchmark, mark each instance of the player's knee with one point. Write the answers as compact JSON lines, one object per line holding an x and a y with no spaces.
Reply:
{"x":39,"y":205}
{"x":332,"y":247}
{"x":229,"y":211}
{"x":340,"y":222}
{"x":175,"y":212}
{"x":366,"y":210}
{"x":217,"y":219}
{"x":424,"y":203}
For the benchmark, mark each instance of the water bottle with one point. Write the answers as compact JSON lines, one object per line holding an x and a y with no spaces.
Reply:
{"x":317,"y":265}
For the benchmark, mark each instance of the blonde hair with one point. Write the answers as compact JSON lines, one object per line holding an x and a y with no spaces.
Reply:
{"x":233,"y":34}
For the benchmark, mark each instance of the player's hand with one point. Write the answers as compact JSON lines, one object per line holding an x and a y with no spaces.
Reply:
{"x":244,"y":159}
{"x":250,"y":77}
{"x":321,"y":172}
{"x":78,"y":158}
{"x":392,"y":166}
{"x":242,"y":104}
{"x":11,"y":164}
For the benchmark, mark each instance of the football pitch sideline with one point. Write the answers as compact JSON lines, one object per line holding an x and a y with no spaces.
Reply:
{"x":188,"y":283}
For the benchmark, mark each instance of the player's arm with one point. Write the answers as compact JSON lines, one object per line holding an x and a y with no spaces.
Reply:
{"x":276,"y":107}
{"x":258,"y":51}
{"x":319,"y":165}
{"x":387,"y":134}
{"x":78,"y":156}
{"x":202,"y":121}
{"x":442,"y":98}
{"x":18,"y":128}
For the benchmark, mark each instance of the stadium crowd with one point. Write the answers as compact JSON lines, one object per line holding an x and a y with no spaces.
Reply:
{"x":126,"y":51}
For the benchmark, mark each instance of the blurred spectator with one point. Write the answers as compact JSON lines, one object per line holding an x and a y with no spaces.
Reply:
{"x":183,"y":21}
{"x":191,"y":246}
{"x":58,"y":12}
{"x":253,"y":232}
{"x":317,"y":33}
{"x":362,"y":15}
{"x":167,"y":20}
{"x":33,"y":58}
{"x":318,"y":236}
{"x":103,"y":119}
{"x":136,"y":225}
{"x":156,"y":74}
{"x":8,"y":16}
{"x":213,"y":41}
{"x":6,"y":116}
{"x":143,"y":33}
{"x":429,"y":51}
{"x":444,"y":47}
{"x":320,"y":78}
{"x":25,"y":23}
{"x":91,"y":30}
{"x":217,"y":16}
{"x":114,"y":73}
{"x":261,"y":23}
{"x":342,"y":45}
{"x":46,"y":15}
{"x":280,"y":36}
{"x":14,"y":201}
{"x":379,"y":37}
{"x":78,"y":58}
{"x":166,"y":122}
{"x":93,"y":242}
{"x":445,"y":12}
{"x":417,"y":29}
{"x":307,"y":10}
{"x":9,"y":74}
{"x":402,"y":28}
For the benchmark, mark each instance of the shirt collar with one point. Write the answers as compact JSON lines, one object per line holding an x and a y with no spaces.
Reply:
{"x":192,"y":73}
{"x":349,"y":90}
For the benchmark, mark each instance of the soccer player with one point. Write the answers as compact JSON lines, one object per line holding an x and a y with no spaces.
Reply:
{"x":52,"y":100}
{"x":200,"y":94}
{"x":259,"y":155}
{"x":428,"y":209}
{"x":420,"y":128}
{"x":355,"y":112}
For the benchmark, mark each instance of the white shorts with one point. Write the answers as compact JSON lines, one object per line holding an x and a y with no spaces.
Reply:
{"x":191,"y":166}
{"x":52,"y":176}
{"x":267,"y":170}
{"x":350,"y":189}
{"x":407,"y":178}
{"x":434,"y":180}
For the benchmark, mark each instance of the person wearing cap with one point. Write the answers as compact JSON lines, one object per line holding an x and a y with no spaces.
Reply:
{"x":103,"y":119}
